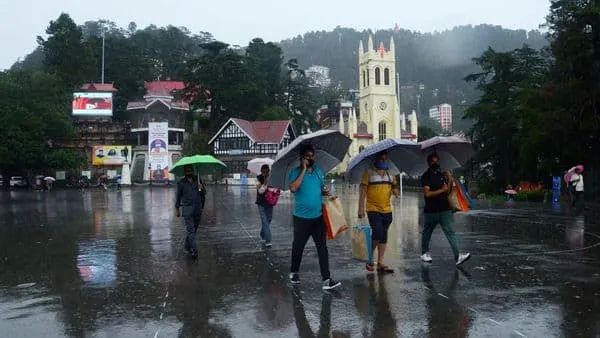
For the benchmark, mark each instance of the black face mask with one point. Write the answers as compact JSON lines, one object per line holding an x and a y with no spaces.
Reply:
{"x":311,"y":162}
{"x":435,"y":166}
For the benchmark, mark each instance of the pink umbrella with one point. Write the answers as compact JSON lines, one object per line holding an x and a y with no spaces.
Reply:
{"x":510,"y":192}
{"x":571,"y":171}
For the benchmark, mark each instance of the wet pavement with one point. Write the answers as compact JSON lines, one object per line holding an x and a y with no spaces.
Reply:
{"x":111,"y":264}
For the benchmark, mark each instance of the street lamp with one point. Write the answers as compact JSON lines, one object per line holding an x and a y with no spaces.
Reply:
{"x":103,"y":32}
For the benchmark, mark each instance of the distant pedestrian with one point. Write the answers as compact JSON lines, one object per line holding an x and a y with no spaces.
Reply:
{"x":577,"y":188}
{"x":190,"y":197}
{"x":376,"y":189}
{"x":119,"y":183}
{"x":307,"y":185}
{"x":437,"y":210}
{"x":264,"y":209}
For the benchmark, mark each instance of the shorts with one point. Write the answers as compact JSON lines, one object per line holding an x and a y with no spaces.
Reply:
{"x":380,"y":223}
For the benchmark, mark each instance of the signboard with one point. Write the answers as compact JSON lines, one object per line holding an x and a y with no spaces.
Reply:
{"x":92,"y":104}
{"x":60,"y":175}
{"x":111,"y":155}
{"x":158,"y":153}
{"x":87,"y":173}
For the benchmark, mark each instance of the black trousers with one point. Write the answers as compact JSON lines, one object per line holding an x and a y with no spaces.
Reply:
{"x":304,"y":228}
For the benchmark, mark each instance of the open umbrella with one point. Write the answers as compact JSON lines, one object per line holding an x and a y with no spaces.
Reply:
{"x":49,"y":178}
{"x":203,"y":165}
{"x":571,"y":171}
{"x":255,"y":164}
{"x":454,"y":151}
{"x":330,"y":146}
{"x":404,"y":156}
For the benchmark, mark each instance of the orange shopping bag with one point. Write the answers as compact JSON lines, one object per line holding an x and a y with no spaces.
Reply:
{"x":333,"y":214}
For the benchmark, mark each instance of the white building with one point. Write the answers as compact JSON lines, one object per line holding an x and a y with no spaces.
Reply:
{"x":443,"y":115}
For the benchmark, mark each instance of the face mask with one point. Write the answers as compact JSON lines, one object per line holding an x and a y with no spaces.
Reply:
{"x":381,"y":165}
{"x":311,"y":162}
{"x":435,"y":166}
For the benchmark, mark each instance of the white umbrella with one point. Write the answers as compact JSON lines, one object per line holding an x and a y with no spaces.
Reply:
{"x":454,"y":151}
{"x":330,"y":146}
{"x":404,"y":156}
{"x":255,"y":164}
{"x":49,"y":178}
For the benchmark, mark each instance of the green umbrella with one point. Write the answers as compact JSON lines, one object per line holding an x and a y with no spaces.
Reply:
{"x":203,"y":165}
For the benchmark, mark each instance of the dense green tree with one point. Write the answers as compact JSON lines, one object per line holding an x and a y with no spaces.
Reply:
{"x":506,"y":80}
{"x":29,"y":128}
{"x":574,"y":84}
{"x":65,"y":52}
{"x":64,"y":159}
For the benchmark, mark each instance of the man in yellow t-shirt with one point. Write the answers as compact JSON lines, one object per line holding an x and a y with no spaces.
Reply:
{"x":376,"y":189}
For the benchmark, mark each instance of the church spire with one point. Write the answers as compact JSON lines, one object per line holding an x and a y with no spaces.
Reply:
{"x":370,"y":43}
{"x":392,"y":45}
{"x":341,"y":124}
{"x":361,"y":50}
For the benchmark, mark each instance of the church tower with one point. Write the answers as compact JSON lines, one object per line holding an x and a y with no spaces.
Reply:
{"x":379,"y":105}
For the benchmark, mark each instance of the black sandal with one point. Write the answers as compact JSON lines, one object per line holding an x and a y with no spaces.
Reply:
{"x":385,"y":269}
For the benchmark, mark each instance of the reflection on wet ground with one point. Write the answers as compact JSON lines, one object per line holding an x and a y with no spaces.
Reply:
{"x":111,"y":264}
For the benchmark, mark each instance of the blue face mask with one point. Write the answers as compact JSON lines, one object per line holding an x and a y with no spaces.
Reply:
{"x":381,"y":165}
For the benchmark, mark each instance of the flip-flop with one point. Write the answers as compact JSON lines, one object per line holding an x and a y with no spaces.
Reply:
{"x":385,"y":269}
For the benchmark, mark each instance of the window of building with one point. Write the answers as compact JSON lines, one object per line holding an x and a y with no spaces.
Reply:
{"x":368,"y":78}
{"x":364,"y":74}
{"x":377,"y":76}
{"x":382,"y":131}
{"x":386,"y":77}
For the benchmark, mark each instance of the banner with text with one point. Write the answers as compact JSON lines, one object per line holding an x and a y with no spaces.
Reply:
{"x":111,"y":155}
{"x":158,"y":143}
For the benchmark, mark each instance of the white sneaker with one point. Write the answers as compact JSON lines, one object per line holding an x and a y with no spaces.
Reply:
{"x":463,"y":258}
{"x":426,"y":257}
{"x":330,"y":284}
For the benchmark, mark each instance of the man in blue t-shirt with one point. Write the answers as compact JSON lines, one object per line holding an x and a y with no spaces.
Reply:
{"x":307,"y":185}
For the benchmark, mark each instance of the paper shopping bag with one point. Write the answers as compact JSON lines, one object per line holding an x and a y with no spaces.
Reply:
{"x":333,"y":214}
{"x":361,"y":243}
{"x":453,"y":200}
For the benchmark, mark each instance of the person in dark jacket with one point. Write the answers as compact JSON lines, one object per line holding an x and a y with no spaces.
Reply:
{"x":191,"y":195}
{"x":437,"y":210}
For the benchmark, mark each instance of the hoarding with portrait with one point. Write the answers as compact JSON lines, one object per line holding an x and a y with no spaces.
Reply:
{"x":158,"y":153}
{"x":108,"y":155}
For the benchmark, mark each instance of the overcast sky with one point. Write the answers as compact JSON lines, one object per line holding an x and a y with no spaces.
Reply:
{"x":238,"y":21}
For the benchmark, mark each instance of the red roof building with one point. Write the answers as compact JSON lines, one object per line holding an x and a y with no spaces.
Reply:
{"x":98,"y":87}
{"x":239,"y":141}
{"x":163,"y":93}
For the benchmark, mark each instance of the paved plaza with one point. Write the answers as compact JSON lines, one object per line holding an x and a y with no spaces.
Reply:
{"x":111,"y":264}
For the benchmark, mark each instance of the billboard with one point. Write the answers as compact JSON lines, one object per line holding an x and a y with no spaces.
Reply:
{"x":158,"y":153}
{"x":111,"y":155}
{"x":92,"y":104}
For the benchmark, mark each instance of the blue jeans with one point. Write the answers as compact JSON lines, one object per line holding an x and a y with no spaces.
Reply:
{"x":266,"y":215}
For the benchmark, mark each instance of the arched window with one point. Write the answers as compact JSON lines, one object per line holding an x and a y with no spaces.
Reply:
{"x":377,"y":76}
{"x":368,"y":77}
{"x":382,"y":131}
{"x":364,"y":74}
{"x":386,"y":77}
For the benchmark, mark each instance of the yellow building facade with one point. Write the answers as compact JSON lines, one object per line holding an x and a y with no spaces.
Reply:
{"x":380,"y":115}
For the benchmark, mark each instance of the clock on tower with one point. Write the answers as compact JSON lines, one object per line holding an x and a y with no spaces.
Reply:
{"x":382,"y":105}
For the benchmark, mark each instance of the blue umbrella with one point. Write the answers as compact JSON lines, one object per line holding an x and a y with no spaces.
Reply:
{"x":404,"y":155}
